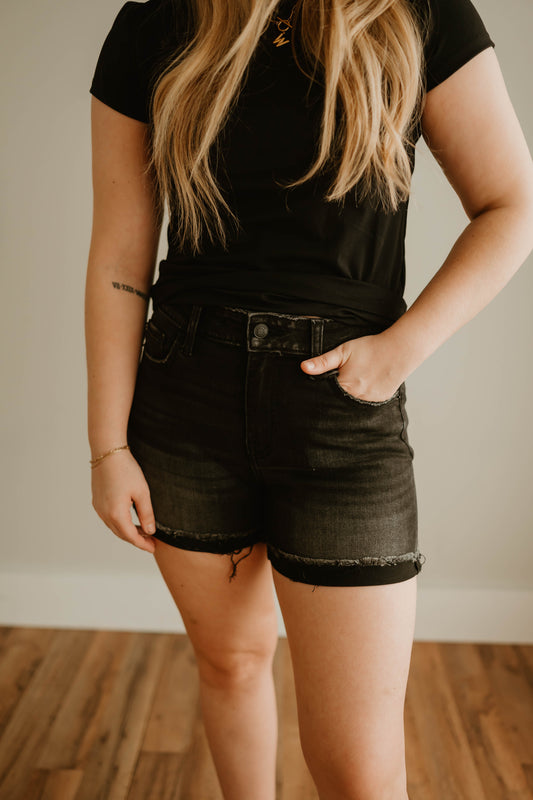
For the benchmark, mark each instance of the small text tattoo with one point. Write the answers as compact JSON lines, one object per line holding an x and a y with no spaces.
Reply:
{"x":130,"y":289}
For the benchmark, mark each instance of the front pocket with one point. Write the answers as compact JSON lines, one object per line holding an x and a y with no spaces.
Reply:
{"x":354,"y":399}
{"x":160,"y":339}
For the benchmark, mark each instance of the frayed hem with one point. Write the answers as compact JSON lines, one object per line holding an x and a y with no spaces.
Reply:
{"x":364,"y":571}
{"x":218,"y":537}
{"x":212,"y":542}
{"x":235,"y":553}
{"x":370,"y":561}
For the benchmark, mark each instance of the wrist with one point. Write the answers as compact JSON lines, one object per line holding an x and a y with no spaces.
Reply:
{"x":112,"y":445}
{"x":98,"y":459}
{"x":106,"y":441}
{"x":406,"y":344}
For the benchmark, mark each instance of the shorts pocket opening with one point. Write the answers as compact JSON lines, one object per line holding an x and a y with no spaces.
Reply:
{"x":359,"y":399}
{"x":159,"y":345}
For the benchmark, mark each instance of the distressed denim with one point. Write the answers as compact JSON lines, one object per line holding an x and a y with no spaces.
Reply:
{"x":239,"y":445}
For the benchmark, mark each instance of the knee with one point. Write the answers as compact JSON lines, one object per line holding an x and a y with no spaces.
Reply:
{"x":365,"y":781}
{"x":234,"y":669}
{"x":363,"y":789}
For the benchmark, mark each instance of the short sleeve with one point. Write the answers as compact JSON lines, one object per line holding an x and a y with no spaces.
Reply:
{"x":117,"y":79}
{"x":456,"y":34}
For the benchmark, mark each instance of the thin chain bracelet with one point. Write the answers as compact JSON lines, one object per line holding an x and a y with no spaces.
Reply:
{"x":95,"y":461}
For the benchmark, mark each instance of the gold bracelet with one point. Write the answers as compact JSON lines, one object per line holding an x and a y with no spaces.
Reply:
{"x":93,"y":462}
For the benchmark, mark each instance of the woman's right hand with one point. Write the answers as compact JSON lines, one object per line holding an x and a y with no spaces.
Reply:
{"x":117,"y":482}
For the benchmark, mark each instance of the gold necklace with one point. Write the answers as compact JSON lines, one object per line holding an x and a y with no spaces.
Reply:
{"x":283,"y":27}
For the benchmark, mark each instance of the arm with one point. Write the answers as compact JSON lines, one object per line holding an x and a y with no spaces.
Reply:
{"x":472,"y":130}
{"x":120,"y":270}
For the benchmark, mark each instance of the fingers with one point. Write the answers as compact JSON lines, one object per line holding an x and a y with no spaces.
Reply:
{"x":115,"y":487}
{"x":145,"y":512}
{"x":325,"y":361}
{"x":122,"y":525}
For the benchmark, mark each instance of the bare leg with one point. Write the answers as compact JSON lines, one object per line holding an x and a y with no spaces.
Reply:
{"x":233,"y":629}
{"x":351,"y":651}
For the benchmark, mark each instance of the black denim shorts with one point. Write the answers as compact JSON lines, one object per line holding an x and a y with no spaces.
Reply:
{"x":239,"y":445}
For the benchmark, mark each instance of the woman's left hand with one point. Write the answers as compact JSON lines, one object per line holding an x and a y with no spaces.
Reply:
{"x":368,"y":367}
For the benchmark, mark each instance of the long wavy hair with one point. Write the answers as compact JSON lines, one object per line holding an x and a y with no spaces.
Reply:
{"x":370,"y":58}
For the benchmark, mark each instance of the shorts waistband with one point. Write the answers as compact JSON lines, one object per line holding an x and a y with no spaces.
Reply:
{"x":256,"y":330}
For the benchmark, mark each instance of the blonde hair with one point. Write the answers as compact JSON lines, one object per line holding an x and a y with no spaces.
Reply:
{"x":372,"y":54}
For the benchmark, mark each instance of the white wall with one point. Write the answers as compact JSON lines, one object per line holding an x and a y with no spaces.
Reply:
{"x":468,"y":404}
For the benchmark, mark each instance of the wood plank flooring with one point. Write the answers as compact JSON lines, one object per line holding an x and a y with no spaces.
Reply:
{"x":114,"y":715}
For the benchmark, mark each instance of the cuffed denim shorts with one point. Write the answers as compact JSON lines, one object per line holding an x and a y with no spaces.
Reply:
{"x":239,"y":445}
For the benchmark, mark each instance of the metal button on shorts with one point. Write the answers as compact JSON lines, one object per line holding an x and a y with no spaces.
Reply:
{"x":261,"y":330}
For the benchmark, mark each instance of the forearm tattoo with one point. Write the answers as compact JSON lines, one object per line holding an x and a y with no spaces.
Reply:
{"x":131,"y":289}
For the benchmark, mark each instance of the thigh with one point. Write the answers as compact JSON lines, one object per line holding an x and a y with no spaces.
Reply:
{"x":233,"y":624}
{"x":351,"y":649}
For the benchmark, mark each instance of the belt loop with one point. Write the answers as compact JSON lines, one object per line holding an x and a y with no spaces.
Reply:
{"x":317,"y":336}
{"x":192,"y":326}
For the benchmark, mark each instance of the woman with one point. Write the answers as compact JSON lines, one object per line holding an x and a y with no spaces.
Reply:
{"x":265,"y":418}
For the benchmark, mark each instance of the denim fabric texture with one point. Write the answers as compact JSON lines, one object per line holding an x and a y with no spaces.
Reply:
{"x":239,"y":445}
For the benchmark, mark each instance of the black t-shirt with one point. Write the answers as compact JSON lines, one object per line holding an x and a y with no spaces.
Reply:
{"x":295,"y":253}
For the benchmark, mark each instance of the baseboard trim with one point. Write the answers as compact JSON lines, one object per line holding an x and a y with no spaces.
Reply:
{"x":143,"y":603}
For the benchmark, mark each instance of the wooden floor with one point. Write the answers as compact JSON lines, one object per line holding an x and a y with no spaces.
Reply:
{"x":104,"y":715}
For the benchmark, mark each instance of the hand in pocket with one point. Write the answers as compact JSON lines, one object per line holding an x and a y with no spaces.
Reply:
{"x":366,"y":367}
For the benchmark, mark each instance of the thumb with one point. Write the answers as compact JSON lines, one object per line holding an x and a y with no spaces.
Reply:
{"x":145,"y":512}
{"x":324,"y":362}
